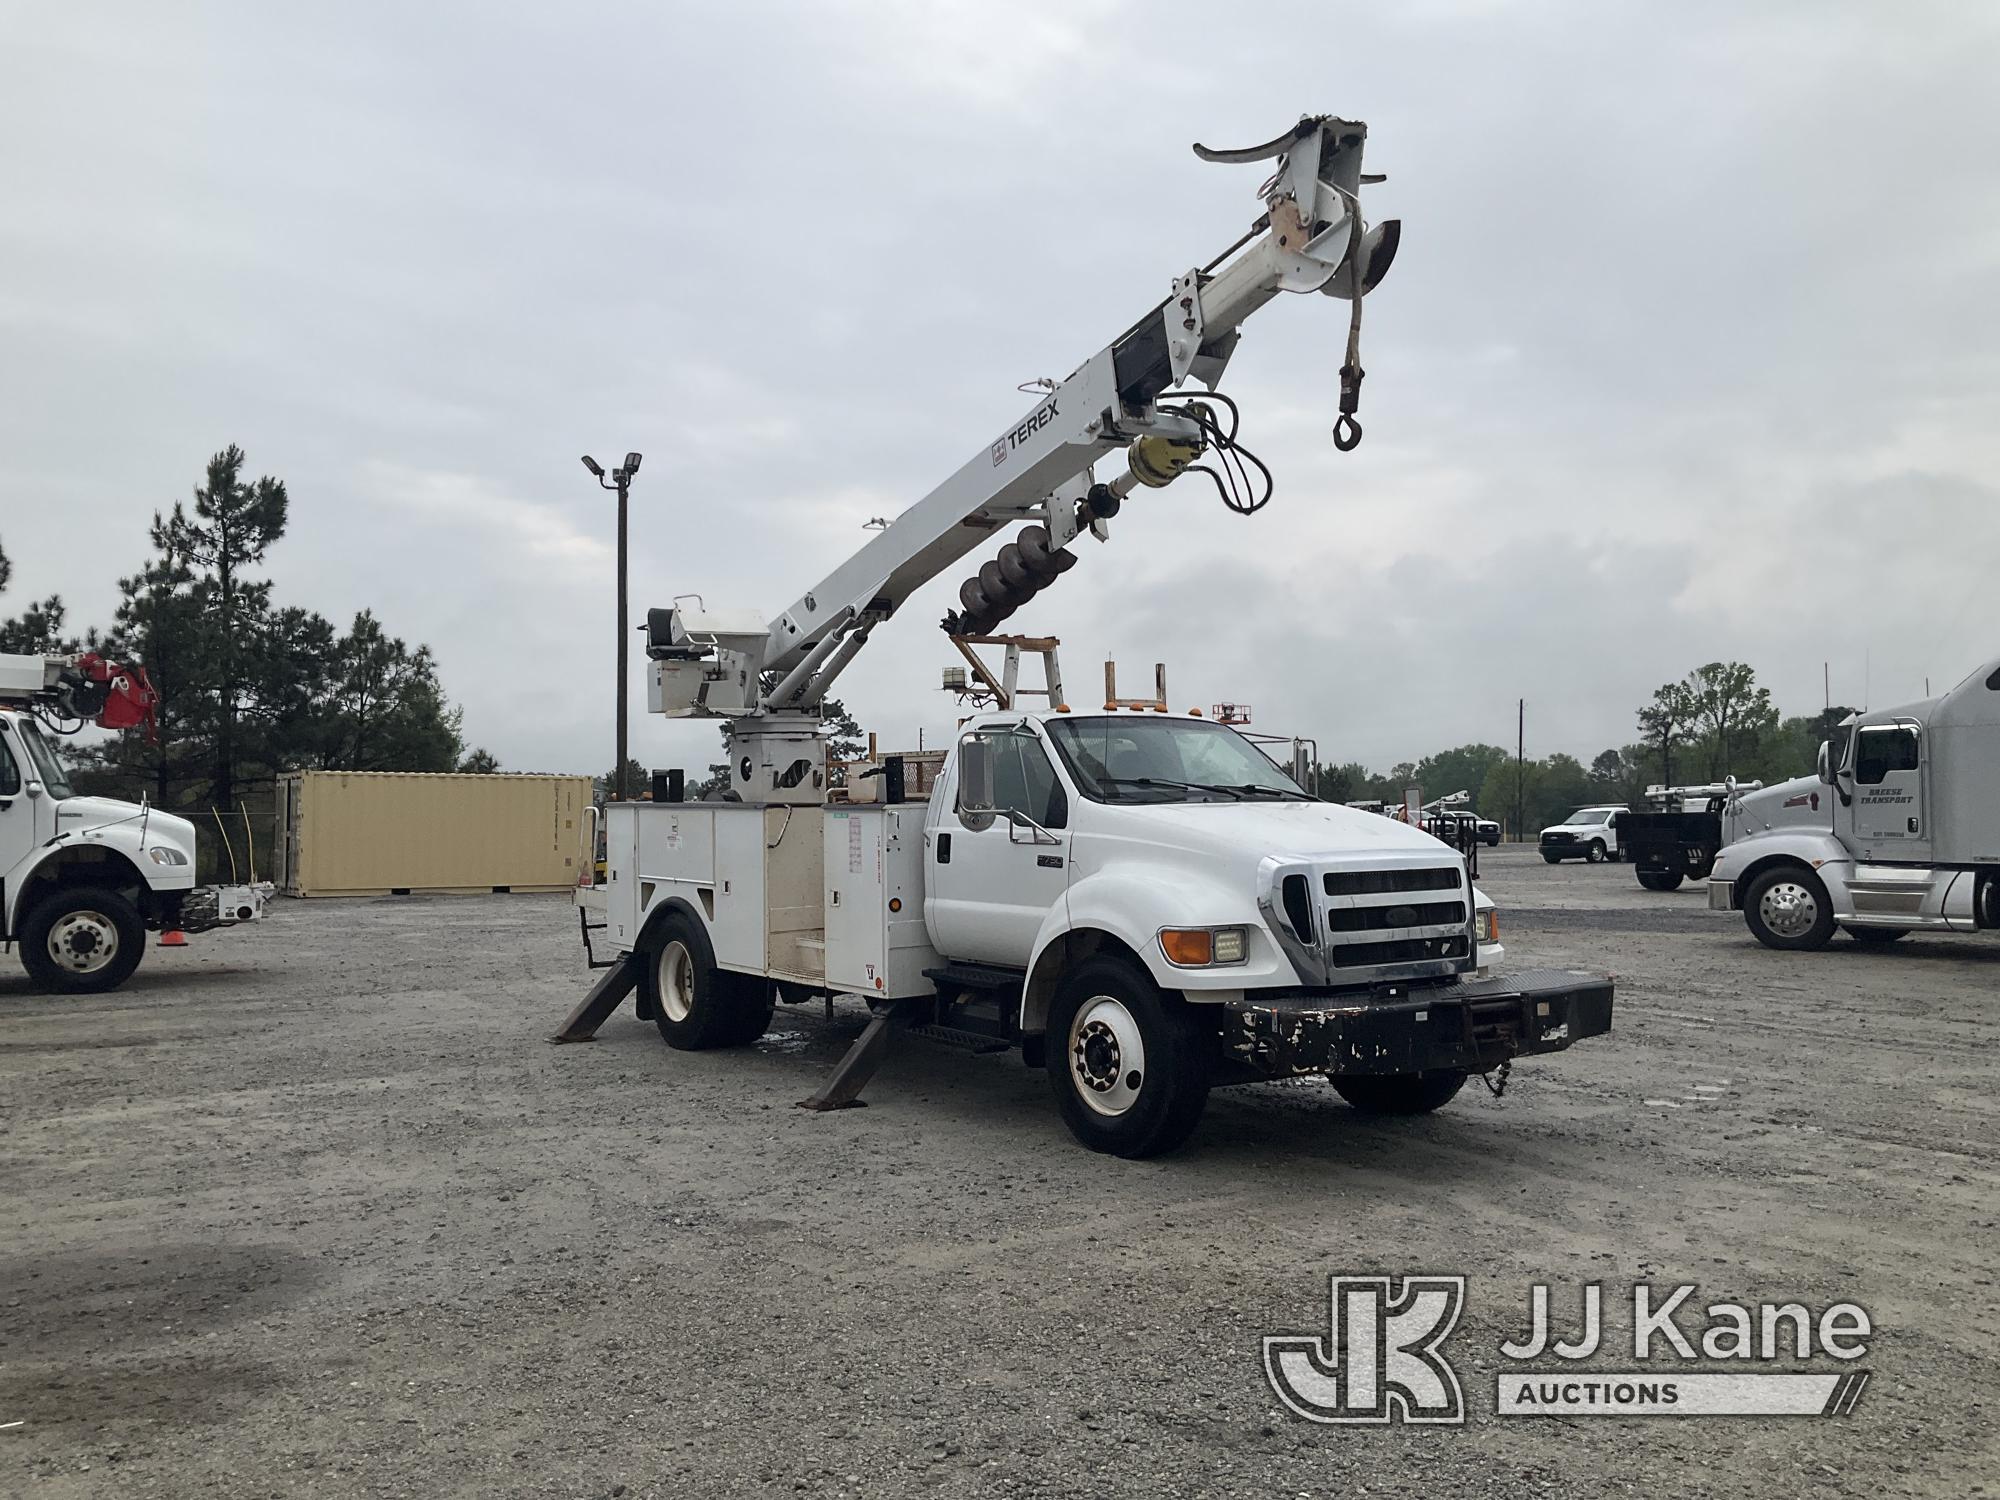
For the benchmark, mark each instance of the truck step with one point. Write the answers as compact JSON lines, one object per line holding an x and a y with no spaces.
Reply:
{"x":971,"y":976}
{"x":952,"y":1036}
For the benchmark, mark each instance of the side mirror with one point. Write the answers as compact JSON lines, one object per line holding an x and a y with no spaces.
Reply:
{"x":34,"y":789}
{"x":1826,"y":762}
{"x":975,"y":775}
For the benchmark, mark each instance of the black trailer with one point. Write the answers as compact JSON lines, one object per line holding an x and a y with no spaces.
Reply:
{"x":1668,"y":847}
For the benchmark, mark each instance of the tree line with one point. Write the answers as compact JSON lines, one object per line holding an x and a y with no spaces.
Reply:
{"x":1713,"y":723}
{"x":249,"y":686}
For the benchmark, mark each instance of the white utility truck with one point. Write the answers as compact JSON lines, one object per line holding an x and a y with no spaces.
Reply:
{"x":1140,"y":902}
{"x":1899,"y":832}
{"x":82,"y":879}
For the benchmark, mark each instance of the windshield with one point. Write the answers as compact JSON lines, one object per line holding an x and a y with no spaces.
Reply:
{"x":1132,"y":759}
{"x":47,"y":766}
{"x":1588,"y":816}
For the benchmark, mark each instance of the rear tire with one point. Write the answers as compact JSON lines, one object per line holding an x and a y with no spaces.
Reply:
{"x":1660,"y":880}
{"x":82,"y":940}
{"x":1128,"y":1062}
{"x":1876,"y":937}
{"x":1788,"y":908}
{"x":1400,"y":1093}
{"x":696,"y":1005}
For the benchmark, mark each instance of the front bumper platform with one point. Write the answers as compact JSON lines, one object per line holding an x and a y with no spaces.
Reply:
{"x":1467,"y":1026}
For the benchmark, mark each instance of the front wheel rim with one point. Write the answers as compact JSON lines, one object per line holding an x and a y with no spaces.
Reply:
{"x":1788,"y":909}
{"x":83,"y":942}
{"x":1107,"y":1056}
{"x":676,"y":981}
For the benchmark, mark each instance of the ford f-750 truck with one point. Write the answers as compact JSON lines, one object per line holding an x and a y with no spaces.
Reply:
{"x":1141,"y":902}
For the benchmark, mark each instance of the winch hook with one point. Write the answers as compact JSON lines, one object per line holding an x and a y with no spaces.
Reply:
{"x":1347,"y":431}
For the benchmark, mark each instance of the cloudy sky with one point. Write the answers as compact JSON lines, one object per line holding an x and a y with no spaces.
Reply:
{"x":1692,"y":350}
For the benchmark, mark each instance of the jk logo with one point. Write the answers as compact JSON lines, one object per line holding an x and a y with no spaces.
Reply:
{"x":1380,"y":1359}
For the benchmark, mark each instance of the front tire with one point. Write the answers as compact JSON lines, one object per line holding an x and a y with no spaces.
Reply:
{"x":1400,"y":1093}
{"x":1877,"y":937}
{"x":696,"y":1005}
{"x":82,"y":941}
{"x":1660,"y":880}
{"x":1788,"y":908}
{"x":1552,"y":859}
{"x":1598,"y":853}
{"x":1129,"y":1063}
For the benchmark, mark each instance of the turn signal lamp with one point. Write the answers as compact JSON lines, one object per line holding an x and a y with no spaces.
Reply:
{"x":1202,"y":947}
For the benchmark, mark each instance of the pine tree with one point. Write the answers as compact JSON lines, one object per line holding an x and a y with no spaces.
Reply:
{"x":234,"y":522}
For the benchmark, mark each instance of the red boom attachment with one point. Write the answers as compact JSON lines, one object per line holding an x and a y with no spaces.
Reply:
{"x":117,"y":696}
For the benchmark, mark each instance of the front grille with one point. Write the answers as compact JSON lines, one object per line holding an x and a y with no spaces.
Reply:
{"x":1389,"y":882}
{"x":1559,"y":838}
{"x":1381,"y":918}
{"x":1398,"y":951}
{"x":1378,"y":921}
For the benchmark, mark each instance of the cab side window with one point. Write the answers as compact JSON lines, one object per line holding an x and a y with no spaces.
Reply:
{"x":1882,"y":748}
{"x":1024,"y":781}
{"x":10,"y":773}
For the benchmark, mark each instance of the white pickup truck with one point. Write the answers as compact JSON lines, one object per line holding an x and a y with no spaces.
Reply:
{"x":1140,"y":902}
{"x":82,"y":879}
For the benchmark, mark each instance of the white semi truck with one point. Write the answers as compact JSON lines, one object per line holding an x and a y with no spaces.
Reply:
{"x":82,"y":879}
{"x":1140,"y":902}
{"x":1898,"y":832}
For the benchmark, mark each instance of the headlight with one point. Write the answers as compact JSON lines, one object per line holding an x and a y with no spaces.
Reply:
{"x":166,"y":854}
{"x":1487,"y":924}
{"x":1203,"y":947}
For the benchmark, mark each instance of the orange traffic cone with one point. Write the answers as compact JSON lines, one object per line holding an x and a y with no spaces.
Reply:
{"x":173,"y":937}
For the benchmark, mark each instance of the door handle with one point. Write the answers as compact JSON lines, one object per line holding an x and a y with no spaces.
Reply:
{"x":944,"y":848}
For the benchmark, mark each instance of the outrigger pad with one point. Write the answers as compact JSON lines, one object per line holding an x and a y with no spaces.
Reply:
{"x":851,"y":1074}
{"x":605,"y":996}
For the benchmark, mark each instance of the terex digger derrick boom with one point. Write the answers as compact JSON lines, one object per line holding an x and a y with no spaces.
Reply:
{"x":768,"y":678}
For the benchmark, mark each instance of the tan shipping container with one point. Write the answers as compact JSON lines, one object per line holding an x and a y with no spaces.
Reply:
{"x":377,"y":833}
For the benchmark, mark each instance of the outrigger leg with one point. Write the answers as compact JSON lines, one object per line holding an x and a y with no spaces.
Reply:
{"x":591,"y":1012}
{"x":852,"y":1073}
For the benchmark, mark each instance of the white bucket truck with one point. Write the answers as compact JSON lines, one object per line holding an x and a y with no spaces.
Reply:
{"x":1899,"y":831}
{"x":1140,"y":902}
{"x":82,"y":879}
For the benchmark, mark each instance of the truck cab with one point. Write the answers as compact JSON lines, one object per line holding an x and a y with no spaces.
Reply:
{"x":1141,"y":903}
{"x":1898,"y":831}
{"x":83,"y":879}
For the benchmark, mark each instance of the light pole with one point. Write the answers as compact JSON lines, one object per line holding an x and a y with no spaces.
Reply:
{"x":621,"y":481}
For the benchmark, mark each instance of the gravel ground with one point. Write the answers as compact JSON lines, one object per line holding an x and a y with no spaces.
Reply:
{"x":315,"y":1210}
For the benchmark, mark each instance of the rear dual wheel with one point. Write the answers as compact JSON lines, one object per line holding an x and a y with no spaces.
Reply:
{"x":696,"y":1005}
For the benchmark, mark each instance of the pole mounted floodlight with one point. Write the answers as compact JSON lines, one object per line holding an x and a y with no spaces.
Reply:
{"x":620,"y":482}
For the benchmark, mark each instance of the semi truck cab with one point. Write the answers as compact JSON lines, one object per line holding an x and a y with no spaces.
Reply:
{"x":1897,"y":832}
